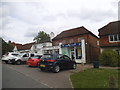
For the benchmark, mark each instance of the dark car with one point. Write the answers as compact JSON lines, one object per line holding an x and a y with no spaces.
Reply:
{"x":56,"y":62}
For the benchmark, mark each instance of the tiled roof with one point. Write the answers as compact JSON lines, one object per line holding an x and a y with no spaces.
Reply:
{"x":111,"y":28}
{"x":73,"y":32}
{"x":24,"y":46}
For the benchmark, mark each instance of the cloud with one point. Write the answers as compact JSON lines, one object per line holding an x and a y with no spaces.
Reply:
{"x":24,"y":20}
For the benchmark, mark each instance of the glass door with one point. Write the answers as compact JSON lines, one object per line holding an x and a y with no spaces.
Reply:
{"x":72,"y":53}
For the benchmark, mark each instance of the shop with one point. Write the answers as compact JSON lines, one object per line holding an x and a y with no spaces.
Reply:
{"x":75,"y":51}
{"x":51,"y":50}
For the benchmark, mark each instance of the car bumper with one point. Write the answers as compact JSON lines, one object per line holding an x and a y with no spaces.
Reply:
{"x":11,"y":61}
{"x":31,"y":64}
{"x":46,"y":67}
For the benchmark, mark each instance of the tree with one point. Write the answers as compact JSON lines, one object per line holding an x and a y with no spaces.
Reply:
{"x":6,"y":47}
{"x":42,"y":37}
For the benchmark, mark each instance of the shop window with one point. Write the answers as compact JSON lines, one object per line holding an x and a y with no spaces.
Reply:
{"x":71,"y":40}
{"x":46,"y":52}
{"x":78,"y":53}
{"x":56,"y":51}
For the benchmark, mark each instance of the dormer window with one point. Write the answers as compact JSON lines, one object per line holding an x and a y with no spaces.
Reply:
{"x":114,"y":38}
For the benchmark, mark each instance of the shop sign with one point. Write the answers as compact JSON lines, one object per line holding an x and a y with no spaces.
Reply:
{"x":71,"y":45}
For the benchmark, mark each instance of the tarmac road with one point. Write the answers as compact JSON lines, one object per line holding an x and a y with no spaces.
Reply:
{"x":22,"y":76}
{"x":13,"y":79}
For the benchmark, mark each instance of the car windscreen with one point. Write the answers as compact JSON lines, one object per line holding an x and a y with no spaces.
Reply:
{"x":15,"y":54}
{"x":35,"y":57}
{"x":46,"y":57}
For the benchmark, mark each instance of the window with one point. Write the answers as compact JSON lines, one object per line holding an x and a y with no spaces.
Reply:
{"x":32,"y":55}
{"x":79,"y":39}
{"x":119,"y":37}
{"x":98,"y":43}
{"x":64,"y":42}
{"x":66,"y":57}
{"x":78,"y":53}
{"x":25,"y":55}
{"x":59,"y":56}
{"x":114,"y":38}
{"x":71,"y":40}
{"x":46,"y":57}
{"x":111,"y":37}
{"x":15,"y":54}
{"x":57,"y":43}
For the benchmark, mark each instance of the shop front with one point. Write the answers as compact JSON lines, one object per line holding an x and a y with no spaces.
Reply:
{"x":76,"y":51}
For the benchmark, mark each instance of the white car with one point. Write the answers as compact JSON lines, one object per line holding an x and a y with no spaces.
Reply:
{"x":9,"y":55}
{"x":19,"y":59}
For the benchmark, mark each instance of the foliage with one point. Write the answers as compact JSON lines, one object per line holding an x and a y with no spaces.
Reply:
{"x":109,"y":58}
{"x":42,"y":37}
{"x":6,"y":47}
{"x":96,"y":78}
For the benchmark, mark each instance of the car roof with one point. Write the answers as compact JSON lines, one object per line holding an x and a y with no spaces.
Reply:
{"x":53,"y":54}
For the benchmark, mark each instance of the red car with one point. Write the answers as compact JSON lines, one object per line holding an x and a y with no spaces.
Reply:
{"x":33,"y":61}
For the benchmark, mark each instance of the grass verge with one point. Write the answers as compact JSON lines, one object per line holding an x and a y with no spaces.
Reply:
{"x":96,"y":78}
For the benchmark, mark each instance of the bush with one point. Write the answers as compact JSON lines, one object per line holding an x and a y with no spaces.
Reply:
{"x":109,"y":58}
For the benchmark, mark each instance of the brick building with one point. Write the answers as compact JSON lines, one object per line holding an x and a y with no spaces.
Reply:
{"x":78,"y":43}
{"x":110,"y":36}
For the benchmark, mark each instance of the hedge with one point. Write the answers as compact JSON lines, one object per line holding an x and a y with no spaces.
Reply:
{"x":109,"y":58}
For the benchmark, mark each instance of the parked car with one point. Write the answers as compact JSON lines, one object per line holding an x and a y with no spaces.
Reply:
{"x":56,"y":62}
{"x":21,"y":58}
{"x":33,"y":61}
{"x":9,"y":55}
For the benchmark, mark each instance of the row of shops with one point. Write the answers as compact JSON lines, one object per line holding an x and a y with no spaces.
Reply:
{"x":78,"y":43}
{"x":75,"y":51}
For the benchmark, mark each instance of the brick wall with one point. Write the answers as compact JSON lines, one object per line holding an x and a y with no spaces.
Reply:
{"x":91,"y":47}
{"x":104,"y":41}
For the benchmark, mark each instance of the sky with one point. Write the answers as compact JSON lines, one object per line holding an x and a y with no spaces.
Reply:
{"x":21,"y":20}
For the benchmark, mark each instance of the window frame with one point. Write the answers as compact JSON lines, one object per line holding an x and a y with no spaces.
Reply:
{"x":113,"y":36}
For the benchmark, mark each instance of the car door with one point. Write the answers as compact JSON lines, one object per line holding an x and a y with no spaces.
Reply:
{"x":61,"y":61}
{"x":67,"y":61}
{"x":25,"y":57}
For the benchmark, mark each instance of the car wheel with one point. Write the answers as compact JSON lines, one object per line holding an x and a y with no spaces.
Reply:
{"x":56,"y":69}
{"x":42,"y":69}
{"x":18,"y":62}
{"x":74,"y":66}
{"x":6,"y":62}
{"x":29,"y":66}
